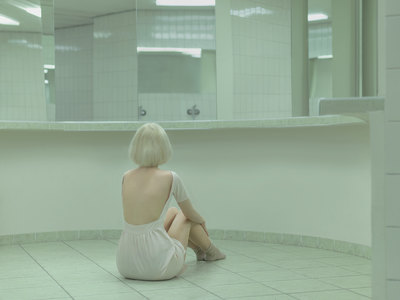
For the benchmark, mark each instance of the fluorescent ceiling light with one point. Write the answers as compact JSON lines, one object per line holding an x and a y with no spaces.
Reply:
{"x":27,"y":6}
{"x":317,"y":17}
{"x":195,"y":52}
{"x":185,"y":2}
{"x":49,"y":66}
{"x":324,"y":56}
{"x":36,"y":11}
{"x":248,"y":12}
{"x":4,"y":20}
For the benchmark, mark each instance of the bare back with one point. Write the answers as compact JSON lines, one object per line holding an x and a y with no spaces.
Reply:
{"x":144,"y":193}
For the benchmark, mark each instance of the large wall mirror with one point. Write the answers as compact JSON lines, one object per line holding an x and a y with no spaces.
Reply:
{"x":158,"y":60}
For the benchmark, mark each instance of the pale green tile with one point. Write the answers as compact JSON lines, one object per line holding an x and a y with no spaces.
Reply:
{"x":346,"y":282}
{"x":309,"y":241}
{"x":344,"y":247}
{"x":242,"y":290}
{"x":68,"y":235}
{"x":326,"y":244}
{"x":270,"y":297}
{"x":254,"y":236}
{"x":216,"y":234}
{"x":46,"y":236}
{"x":364,"y":269}
{"x":24,"y":238}
{"x":141,"y":285}
{"x":6,"y":239}
{"x":363,"y":291}
{"x":33,"y":293}
{"x":119,"y":296}
{"x":26,"y":282}
{"x":362,"y":250}
{"x":322,"y":272}
{"x":344,"y":260}
{"x":90,"y":235}
{"x":300,"y":285}
{"x":291,"y":239}
{"x":180,"y":294}
{"x":234,"y":235}
{"x":96,"y":288}
{"x":330,"y":295}
{"x":208,"y":279}
{"x":249,"y":267}
{"x":274,"y":238}
{"x":111,"y":234}
{"x":272,"y":275}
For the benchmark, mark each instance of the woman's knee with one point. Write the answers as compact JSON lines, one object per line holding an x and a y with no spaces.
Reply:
{"x":173,"y":211}
{"x":183,"y":218}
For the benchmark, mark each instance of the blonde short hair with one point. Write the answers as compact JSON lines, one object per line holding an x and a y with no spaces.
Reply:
{"x":150,"y":146}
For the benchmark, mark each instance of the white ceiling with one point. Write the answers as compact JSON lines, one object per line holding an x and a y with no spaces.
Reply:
{"x":79,"y":12}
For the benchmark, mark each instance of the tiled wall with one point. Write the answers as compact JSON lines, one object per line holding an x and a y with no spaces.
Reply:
{"x":173,"y":107}
{"x":392,"y":149}
{"x":115,"y":67}
{"x":21,"y":77}
{"x":262,"y":58}
{"x":74,"y":73}
{"x":319,"y":39}
{"x":176,"y":29}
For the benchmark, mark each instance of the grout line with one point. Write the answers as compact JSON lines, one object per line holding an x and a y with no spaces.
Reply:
{"x":104,"y":269}
{"x":46,"y":271}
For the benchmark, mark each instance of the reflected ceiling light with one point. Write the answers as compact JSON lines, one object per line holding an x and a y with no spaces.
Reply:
{"x":185,"y":2}
{"x":325,"y":56}
{"x":27,"y":6}
{"x":36,"y":11}
{"x":317,"y":17}
{"x":248,"y":12}
{"x":195,"y":52}
{"x":4,"y":20}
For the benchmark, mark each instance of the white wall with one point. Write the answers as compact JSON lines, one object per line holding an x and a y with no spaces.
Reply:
{"x":21,"y":77}
{"x":308,"y":181}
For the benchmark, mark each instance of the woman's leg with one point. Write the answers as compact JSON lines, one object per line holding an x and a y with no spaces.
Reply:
{"x":180,"y":229}
{"x":169,"y":217}
{"x":199,"y":237}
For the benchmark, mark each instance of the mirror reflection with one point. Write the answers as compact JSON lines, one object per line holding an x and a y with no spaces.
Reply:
{"x":155,"y":60}
{"x":22,"y":93}
{"x":176,"y":60}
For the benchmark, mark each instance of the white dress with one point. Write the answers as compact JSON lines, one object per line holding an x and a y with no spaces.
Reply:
{"x":146,"y":251}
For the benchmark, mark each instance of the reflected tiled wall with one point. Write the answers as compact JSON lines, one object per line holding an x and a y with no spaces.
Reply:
{"x":319,"y":39}
{"x":115,"y":68}
{"x":176,"y":29}
{"x":392,"y":150}
{"x":21,"y":77}
{"x":262,"y":58}
{"x":74,"y":73}
{"x":173,"y":107}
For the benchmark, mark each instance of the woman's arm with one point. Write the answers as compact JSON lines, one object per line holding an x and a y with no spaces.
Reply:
{"x":189,"y":211}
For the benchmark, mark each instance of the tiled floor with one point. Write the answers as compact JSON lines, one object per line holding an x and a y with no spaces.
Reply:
{"x":86,"y":270}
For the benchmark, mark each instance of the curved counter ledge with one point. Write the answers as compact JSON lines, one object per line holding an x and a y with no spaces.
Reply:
{"x":330,"y":120}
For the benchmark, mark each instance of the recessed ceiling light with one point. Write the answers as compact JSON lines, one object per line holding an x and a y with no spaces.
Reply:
{"x":325,"y":56}
{"x":185,"y":2}
{"x":317,"y":17}
{"x":195,"y":52}
{"x":4,"y":20}
{"x":36,"y":11}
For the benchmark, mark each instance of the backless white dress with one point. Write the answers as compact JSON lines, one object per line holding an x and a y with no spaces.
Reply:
{"x":147,"y":252}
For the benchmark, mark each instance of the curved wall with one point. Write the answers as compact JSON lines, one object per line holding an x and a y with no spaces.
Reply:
{"x":312,"y":181}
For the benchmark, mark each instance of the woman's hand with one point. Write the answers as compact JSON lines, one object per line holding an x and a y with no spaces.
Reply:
{"x":204,"y":227}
